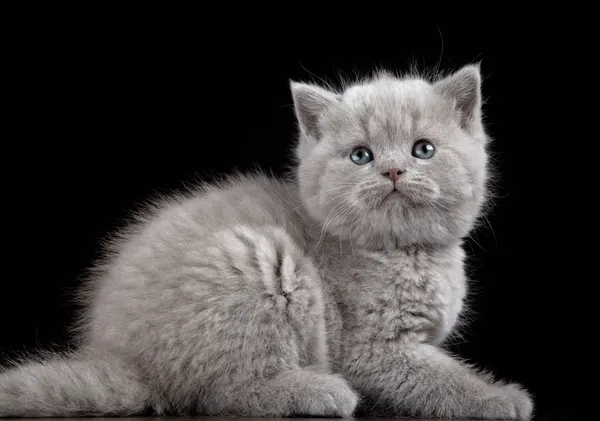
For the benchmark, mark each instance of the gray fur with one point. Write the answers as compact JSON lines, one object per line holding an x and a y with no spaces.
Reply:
{"x":312,"y":295}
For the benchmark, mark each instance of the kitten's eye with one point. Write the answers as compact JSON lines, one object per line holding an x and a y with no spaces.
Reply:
{"x":361,"y":156}
{"x":423,"y":149}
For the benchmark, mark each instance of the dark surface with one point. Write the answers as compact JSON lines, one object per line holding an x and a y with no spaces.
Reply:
{"x":572,"y":415}
{"x":219,"y":418}
{"x":194,"y":418}
{"x":127,"y":105}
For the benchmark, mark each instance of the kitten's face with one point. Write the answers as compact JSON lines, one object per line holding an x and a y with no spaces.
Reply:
{"x":393,"y":162}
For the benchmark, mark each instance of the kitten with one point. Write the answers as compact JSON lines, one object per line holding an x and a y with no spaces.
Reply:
{"x":316,"y":295}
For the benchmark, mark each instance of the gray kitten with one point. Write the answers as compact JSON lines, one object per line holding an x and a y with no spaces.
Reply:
{"x":315,"y":296}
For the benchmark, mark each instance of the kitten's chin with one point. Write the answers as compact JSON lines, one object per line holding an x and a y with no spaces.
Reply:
{"x":394,"y":198}
{"x":399,"y":200}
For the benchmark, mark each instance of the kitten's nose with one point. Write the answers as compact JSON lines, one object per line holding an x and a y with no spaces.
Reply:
{"x":393,"y":174}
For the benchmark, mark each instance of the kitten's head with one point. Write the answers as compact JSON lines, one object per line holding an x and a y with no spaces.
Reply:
{"x":391,"y":161}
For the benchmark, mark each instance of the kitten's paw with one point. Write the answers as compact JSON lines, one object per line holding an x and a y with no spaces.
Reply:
{"x":326,"y":395}
{"x":508,"y":402}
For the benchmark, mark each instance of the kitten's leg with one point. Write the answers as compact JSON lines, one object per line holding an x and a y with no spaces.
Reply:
{"x":422,"y":380}
{"x":305,"y":392}
{"x":261,"y":348}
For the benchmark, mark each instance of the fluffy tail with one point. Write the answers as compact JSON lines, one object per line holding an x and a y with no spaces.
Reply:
{"x":81,"y":384}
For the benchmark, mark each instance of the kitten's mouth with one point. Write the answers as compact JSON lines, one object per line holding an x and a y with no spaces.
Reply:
{"x":394,"y":194}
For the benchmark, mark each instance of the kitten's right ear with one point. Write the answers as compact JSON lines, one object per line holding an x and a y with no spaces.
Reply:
{"x":310,"y":103}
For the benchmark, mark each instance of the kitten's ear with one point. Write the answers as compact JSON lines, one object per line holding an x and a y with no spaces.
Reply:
{"x":310,"y":102}
{"x":464,"y":89}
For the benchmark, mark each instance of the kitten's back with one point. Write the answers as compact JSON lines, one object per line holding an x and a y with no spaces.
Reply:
{"x":179,"y":235}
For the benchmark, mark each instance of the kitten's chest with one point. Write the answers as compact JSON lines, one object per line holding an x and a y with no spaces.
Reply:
{"x":410,"y":293}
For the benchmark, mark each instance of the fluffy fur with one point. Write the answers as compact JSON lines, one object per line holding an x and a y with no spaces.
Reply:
{"x":322,"y":294}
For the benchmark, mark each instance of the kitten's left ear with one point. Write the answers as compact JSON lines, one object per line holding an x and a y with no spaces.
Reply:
{"x":464,"y":89}
{"x":310,"y":103}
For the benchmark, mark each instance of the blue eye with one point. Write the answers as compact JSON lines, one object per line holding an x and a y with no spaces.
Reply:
{"x":361,"y":156}
{"x":423,"y":149}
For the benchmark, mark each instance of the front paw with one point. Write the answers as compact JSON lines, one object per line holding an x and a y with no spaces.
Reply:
{"x":508,"y":402}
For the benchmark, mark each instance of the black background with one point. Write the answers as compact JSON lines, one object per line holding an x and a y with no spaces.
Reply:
{"x":133,"y":106}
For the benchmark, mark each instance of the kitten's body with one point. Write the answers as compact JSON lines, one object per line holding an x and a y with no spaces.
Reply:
{"x":273,"y":297}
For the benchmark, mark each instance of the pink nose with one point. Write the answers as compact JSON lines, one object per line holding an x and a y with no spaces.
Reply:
{"x":393,"y":174}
